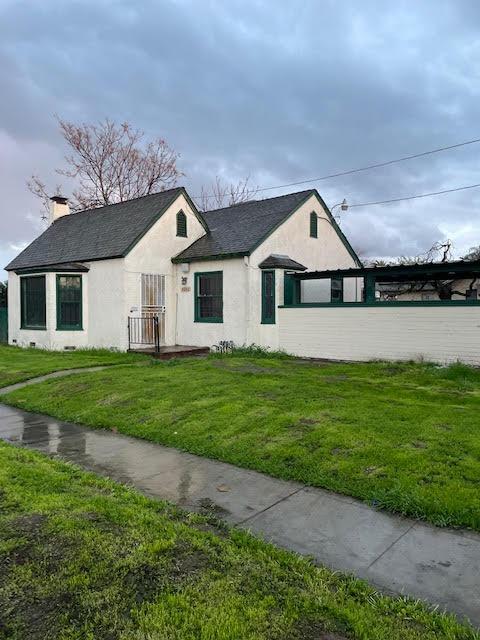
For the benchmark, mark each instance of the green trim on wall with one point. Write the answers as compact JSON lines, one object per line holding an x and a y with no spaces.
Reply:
{"x":273,"y":229}
{"x":196,"y":299}
{"x":218,"y":256}
{"x":267,"y":319}
{"x":68,"y":327}
{"x":331,"y":219}
{"x":157,"y":218}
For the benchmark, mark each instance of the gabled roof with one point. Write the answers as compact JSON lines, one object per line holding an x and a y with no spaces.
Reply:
{"x":113,"y":230}
{"x":277,"y":261}
{"x":95,"y":234}
{"x":239,"y":229}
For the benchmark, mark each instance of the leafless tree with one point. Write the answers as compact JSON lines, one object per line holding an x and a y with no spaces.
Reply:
{"x":438,"y":252}
{"x":39,"y":189}
{"x":111,"y":163}
{"x":473,"y":254}
{"x":221,"y":194}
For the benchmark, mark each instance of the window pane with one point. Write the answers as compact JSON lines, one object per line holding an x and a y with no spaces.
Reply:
{"x":33,"y":302}
{"x":268,"y":296}
{"x":69,"y":301}
{"x":210,"y":296}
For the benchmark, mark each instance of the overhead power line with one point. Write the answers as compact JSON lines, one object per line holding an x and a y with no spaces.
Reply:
{"x":420,"y":195}
{"x":360,"y":169}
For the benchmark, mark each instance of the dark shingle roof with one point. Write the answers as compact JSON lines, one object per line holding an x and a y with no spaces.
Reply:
{"x":276,"y":261}
{"x":64,"y":266}
{"x":96,"y":234}
{"x":237,"y":230}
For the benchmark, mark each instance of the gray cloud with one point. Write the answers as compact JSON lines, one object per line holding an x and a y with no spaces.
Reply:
{"x":239,"y":88}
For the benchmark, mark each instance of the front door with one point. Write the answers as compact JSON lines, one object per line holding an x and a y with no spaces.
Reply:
{"x":153,"y":304}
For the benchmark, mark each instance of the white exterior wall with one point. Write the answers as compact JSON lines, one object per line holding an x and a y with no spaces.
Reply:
{"x":292,"y":238}
{"x":438,"y":334}
{"x":105,"y":316}
{"x":48,"y":338}
{"x":235,"y":304}
{"x":153,"y":254}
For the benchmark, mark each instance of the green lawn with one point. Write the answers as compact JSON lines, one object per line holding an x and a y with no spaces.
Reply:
{"x":83,"y":558}
{"x":405,"y":437}
{"x":17,"y":364}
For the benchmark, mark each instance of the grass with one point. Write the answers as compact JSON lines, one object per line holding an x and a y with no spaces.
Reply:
{"x":17,"y":364}
{"x":83,"y":558}
{"x":403,"y":437}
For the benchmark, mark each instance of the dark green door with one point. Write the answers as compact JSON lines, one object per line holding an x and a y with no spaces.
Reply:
{"x":3,"y":324}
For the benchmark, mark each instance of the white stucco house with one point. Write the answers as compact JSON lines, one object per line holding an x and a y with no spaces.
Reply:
{"x":207,"y":277}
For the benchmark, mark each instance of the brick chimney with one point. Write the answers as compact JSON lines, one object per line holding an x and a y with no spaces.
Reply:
{"x":58,"y":208}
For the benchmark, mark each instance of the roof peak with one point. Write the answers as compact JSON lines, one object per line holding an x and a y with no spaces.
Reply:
{"x":114,"y":204}
{"x":249,"y":202}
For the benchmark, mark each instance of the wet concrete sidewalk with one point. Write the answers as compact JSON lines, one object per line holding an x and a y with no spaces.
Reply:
{"x":395,"y":554}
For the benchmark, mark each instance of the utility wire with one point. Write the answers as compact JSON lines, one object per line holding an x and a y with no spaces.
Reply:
{"x":360,"y":169}
{"x":420,"y":195}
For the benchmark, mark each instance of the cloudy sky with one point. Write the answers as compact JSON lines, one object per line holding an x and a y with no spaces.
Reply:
{"x":280,"y":91}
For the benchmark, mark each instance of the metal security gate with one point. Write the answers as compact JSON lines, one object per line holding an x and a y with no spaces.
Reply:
{"x":148,"y":330}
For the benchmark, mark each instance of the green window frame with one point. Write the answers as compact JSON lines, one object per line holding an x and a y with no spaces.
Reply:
{"x":181,"y":225}
{"x":313,"y":225}
{"x":268,"y":297}
{"x":33,"y":302}
{"x":336,"y":290}
{"x":208,"y":296}
{"x":69,"y":302}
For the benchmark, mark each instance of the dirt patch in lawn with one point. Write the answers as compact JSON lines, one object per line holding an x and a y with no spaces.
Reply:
{"x":246,"y":367}
{"x":314,"y":630}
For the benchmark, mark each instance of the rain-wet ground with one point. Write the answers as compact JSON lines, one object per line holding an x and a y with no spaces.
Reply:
{"x":396,"y":554}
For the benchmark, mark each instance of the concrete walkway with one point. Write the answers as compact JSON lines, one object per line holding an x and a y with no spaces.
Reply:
{"x":55,"y":374}
{"x":395,"y":554}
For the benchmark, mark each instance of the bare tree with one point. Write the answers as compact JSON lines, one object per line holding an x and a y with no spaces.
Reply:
{"x":438,"y":252}
{"x":111,"y":163}
{"x":220,"y":194}
{"x":473,"y":254}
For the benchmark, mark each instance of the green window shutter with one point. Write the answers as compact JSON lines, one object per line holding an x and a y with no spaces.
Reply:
{"x":209,"y":296}
{"x":69,"y":303}
{"x":268,"y":297}
{"x":33,"y":302}
{"x":181,"y":225}
{"x":313,"y":225}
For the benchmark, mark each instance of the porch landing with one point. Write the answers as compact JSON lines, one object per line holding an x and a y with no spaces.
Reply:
{"x":175,"y":351}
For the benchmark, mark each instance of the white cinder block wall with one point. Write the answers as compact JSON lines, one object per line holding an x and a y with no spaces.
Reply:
{"x":438,"y":334}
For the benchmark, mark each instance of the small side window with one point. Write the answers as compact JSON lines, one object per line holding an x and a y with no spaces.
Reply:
{"x":181,"y":225}
{"x":268,"y":297}
{"x":313,"y":225}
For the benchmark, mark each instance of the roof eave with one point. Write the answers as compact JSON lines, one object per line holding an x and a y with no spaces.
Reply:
{"x":217,"y":256}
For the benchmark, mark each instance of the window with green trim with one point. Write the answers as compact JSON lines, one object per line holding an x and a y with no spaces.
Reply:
{"x":181,"y":225}
{"x":313,"y":225}
{"x":209,"y":296}
{"x":336,"y":288}
{"x":268,"y":297}
{"x":69,"y":302}
{"x":33,"y":302}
